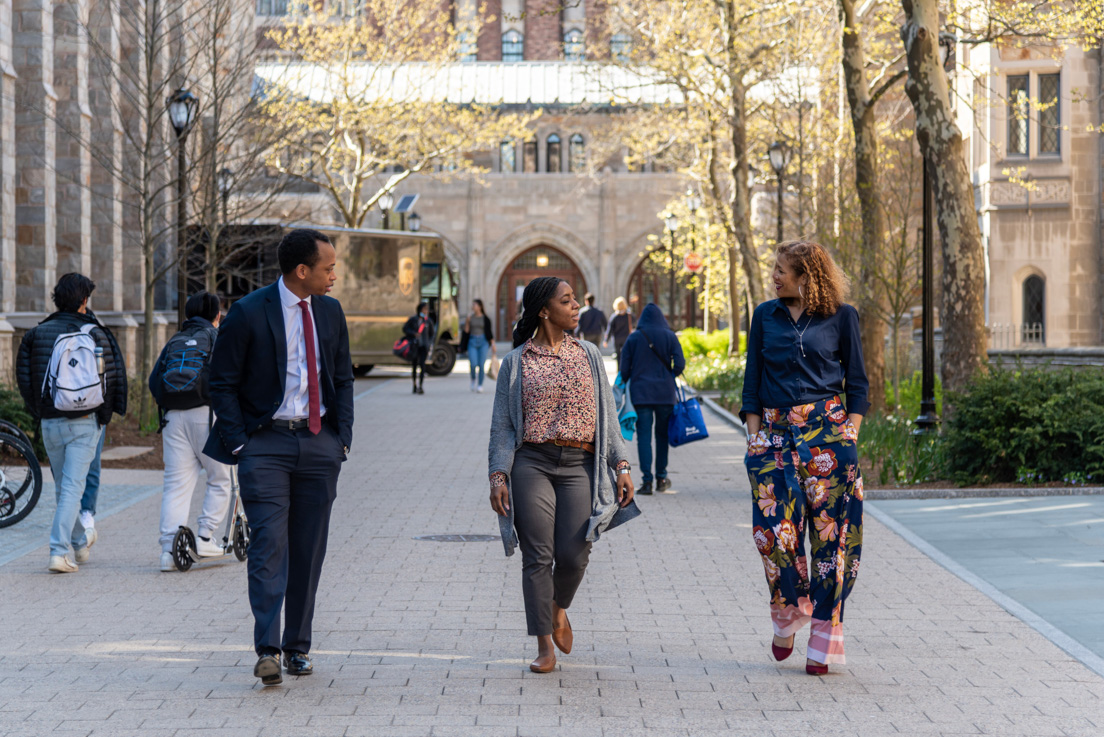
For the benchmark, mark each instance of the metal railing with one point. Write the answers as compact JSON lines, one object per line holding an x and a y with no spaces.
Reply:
{"x":1003,"y":336}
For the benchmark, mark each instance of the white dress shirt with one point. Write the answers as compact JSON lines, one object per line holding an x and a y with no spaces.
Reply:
{"x":296,"y":404}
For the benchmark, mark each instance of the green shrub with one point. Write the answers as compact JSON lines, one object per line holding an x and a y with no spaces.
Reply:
{"x":909,"y":395}
{"x":716,"y":373}
{"x":13,"y":410}
{"x":898,"y":456}
{"x":698,"y":343}
{"x":1031,"y":425}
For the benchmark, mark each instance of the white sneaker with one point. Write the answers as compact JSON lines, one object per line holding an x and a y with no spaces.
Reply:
{"x":167,"y":564}
{"x":81,"y":555}
{"x":208,"y":548}
{"x":472,"y":386}
{"x":87,"y":520}
{"x":62,"y":564}
{"x":479,"y":389}
{"x":90,"y":537}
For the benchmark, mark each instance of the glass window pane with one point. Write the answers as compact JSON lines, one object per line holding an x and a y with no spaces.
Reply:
{"x":272,"y":7}
{"x":553,"y":162}
{"x":529,"y":160}
{"x":1034,"y":310}
{"x":577,"y":154}
{"x":1050,"y":122}
{"x":573,"y":45}
{"x":507,"y":156}
{"x":513,"y":46}
{"x":1018,"y":109}
{"x":620,"y":46}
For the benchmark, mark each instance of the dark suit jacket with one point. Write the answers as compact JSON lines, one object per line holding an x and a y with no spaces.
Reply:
{"x":250,"y":363}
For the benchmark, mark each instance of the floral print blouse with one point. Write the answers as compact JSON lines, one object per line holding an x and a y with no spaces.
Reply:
{"x":557,"y":396}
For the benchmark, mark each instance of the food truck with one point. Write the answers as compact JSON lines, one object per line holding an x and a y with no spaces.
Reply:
{"x":382,"y":275}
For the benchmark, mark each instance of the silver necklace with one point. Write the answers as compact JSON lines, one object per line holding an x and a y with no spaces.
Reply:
{"x":801,"y":334}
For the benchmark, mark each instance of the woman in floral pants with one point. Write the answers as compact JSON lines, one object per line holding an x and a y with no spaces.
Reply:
{"x":804,"y":354}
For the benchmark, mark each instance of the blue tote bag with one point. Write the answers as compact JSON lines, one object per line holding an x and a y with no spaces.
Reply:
{"x":686,"y":424}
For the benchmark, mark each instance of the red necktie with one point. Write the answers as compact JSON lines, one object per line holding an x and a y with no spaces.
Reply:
{"x":315,"y":422}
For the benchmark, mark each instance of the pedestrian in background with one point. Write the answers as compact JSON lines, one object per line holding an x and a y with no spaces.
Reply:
{"x":283,"y":400}
{"x":180,"y":383}
{"x":477,"y":340}
{"x":68,"y":345}
{"x":556,"y":457}
{"x":420,"y":330}
{"x":803,"y":355}
{"x":651,"y":360}
{"x":592,"y":322}
{"x":619,"y":328}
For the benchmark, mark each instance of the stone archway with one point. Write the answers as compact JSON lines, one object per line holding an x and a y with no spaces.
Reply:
{"x":652,"y":282}
{"x":536,"y":261}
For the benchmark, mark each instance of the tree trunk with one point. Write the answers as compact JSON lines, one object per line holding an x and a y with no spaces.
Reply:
{"x":871,"y":298}
{"x":964,"y":343}
{"x":733,"y":304}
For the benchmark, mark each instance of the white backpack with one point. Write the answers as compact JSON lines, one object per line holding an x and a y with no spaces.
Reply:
{"x":72,"y":379}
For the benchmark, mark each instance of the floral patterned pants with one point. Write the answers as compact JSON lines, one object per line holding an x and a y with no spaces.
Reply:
{"x":804,"y":471}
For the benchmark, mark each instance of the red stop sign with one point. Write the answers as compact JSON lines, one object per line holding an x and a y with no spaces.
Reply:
{"x":693,"y":262}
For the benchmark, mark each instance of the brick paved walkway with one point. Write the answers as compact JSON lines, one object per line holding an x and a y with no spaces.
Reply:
{"x":421,"y":638}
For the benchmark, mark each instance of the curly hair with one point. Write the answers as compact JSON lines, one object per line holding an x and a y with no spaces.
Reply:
{"x":827,"y":286}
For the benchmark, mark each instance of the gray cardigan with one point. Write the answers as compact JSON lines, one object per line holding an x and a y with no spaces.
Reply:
{"x":508,"y":429}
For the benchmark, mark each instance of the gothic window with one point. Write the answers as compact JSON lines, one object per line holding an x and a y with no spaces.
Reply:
{"x":577,"y":153}
{"x":620,"y":46}
{"x":513,"y":46}
{"x":529,"y":156}
{"x":1050,"y":122}
{"x":507,"y":156}
{"x":553,"y":152}
{"x":574,"y":48}
{"x":1034,"y":310}
{"x":1019,"y":108}
{"x":467,"y":46}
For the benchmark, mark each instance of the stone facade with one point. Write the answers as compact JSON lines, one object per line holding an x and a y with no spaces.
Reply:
{"x":1039,"y":192}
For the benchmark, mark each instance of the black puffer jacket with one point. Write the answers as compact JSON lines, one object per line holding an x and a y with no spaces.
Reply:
{"x":34,"y":360}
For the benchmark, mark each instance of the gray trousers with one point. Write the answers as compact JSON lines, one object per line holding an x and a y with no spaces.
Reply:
{"x":552,"y":500}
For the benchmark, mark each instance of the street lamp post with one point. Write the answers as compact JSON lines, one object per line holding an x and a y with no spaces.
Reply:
{"x":414,"y":222}
{"x":779,"y":154}
{"x":182,"y":106}
{"x":672,"y":225}
{"x":693,"y":204}
{"x":386,"y":201}
{"x":225,"y":179}
{"x":928,"y":420}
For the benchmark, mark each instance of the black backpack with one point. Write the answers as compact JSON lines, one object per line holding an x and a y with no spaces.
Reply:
{"x":185,"y":369}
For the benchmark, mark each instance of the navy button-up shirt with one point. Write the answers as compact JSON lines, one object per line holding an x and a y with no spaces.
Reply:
{"x":778,"y":375}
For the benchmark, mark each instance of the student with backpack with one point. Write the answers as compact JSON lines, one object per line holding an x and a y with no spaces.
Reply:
{"x":71,"y":376}
{"x":179,"y":383}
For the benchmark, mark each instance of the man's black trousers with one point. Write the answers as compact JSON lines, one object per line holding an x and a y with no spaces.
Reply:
{"x":288,"y":485}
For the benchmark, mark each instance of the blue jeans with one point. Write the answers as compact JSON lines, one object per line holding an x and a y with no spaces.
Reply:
{"x":92,"y":483}
{"x":71,"y":446}
{"x":478,"y":348}
{"x":646,"y":415}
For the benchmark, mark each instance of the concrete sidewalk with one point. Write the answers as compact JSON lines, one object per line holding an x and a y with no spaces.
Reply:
{"x":422,"y":638}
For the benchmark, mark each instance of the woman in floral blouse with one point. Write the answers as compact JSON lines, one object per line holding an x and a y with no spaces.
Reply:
{"x":556,"y":457}
{"x":804,"y":354}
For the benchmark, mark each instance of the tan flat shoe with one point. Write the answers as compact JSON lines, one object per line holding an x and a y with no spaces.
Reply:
{"x":544,"y":664}
{"x":563,"y":637}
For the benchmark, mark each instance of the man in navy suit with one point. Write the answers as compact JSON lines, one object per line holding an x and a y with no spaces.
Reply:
{"x":282,"y":390}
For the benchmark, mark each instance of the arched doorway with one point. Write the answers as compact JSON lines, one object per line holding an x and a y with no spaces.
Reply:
{"x":656,"y":282}
{"x":537,"y":261}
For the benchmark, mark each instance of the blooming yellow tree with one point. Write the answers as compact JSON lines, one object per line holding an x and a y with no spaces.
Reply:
{"x":366,"y":99}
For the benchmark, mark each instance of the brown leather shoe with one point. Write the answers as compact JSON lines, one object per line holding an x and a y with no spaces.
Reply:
{"x":563,"y":636}
{"x":544,"y":664}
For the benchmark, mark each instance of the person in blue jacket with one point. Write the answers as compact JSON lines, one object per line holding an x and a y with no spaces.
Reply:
{"x":650,"y":361}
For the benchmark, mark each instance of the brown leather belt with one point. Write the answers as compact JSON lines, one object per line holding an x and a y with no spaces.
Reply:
{"x":588,"y":447}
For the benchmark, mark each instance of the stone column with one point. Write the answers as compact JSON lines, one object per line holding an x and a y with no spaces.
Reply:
{"x":74,"y":130}
{"x":35,"y":184}
{"x":543,"y":37}
{"x":7,"y":162}
{"x":107,"y":139}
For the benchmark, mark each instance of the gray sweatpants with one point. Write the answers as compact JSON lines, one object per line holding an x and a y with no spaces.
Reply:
{"x":552,"y":500}
{"x":183,"y":439}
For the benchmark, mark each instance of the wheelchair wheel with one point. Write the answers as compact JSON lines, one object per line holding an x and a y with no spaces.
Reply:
{"x":241,"y":537}
{"x":183,"y":545}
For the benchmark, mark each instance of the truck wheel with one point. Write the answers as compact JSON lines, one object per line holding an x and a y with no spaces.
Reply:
{"x":442,"y":360}
{"x":362,"y":369}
